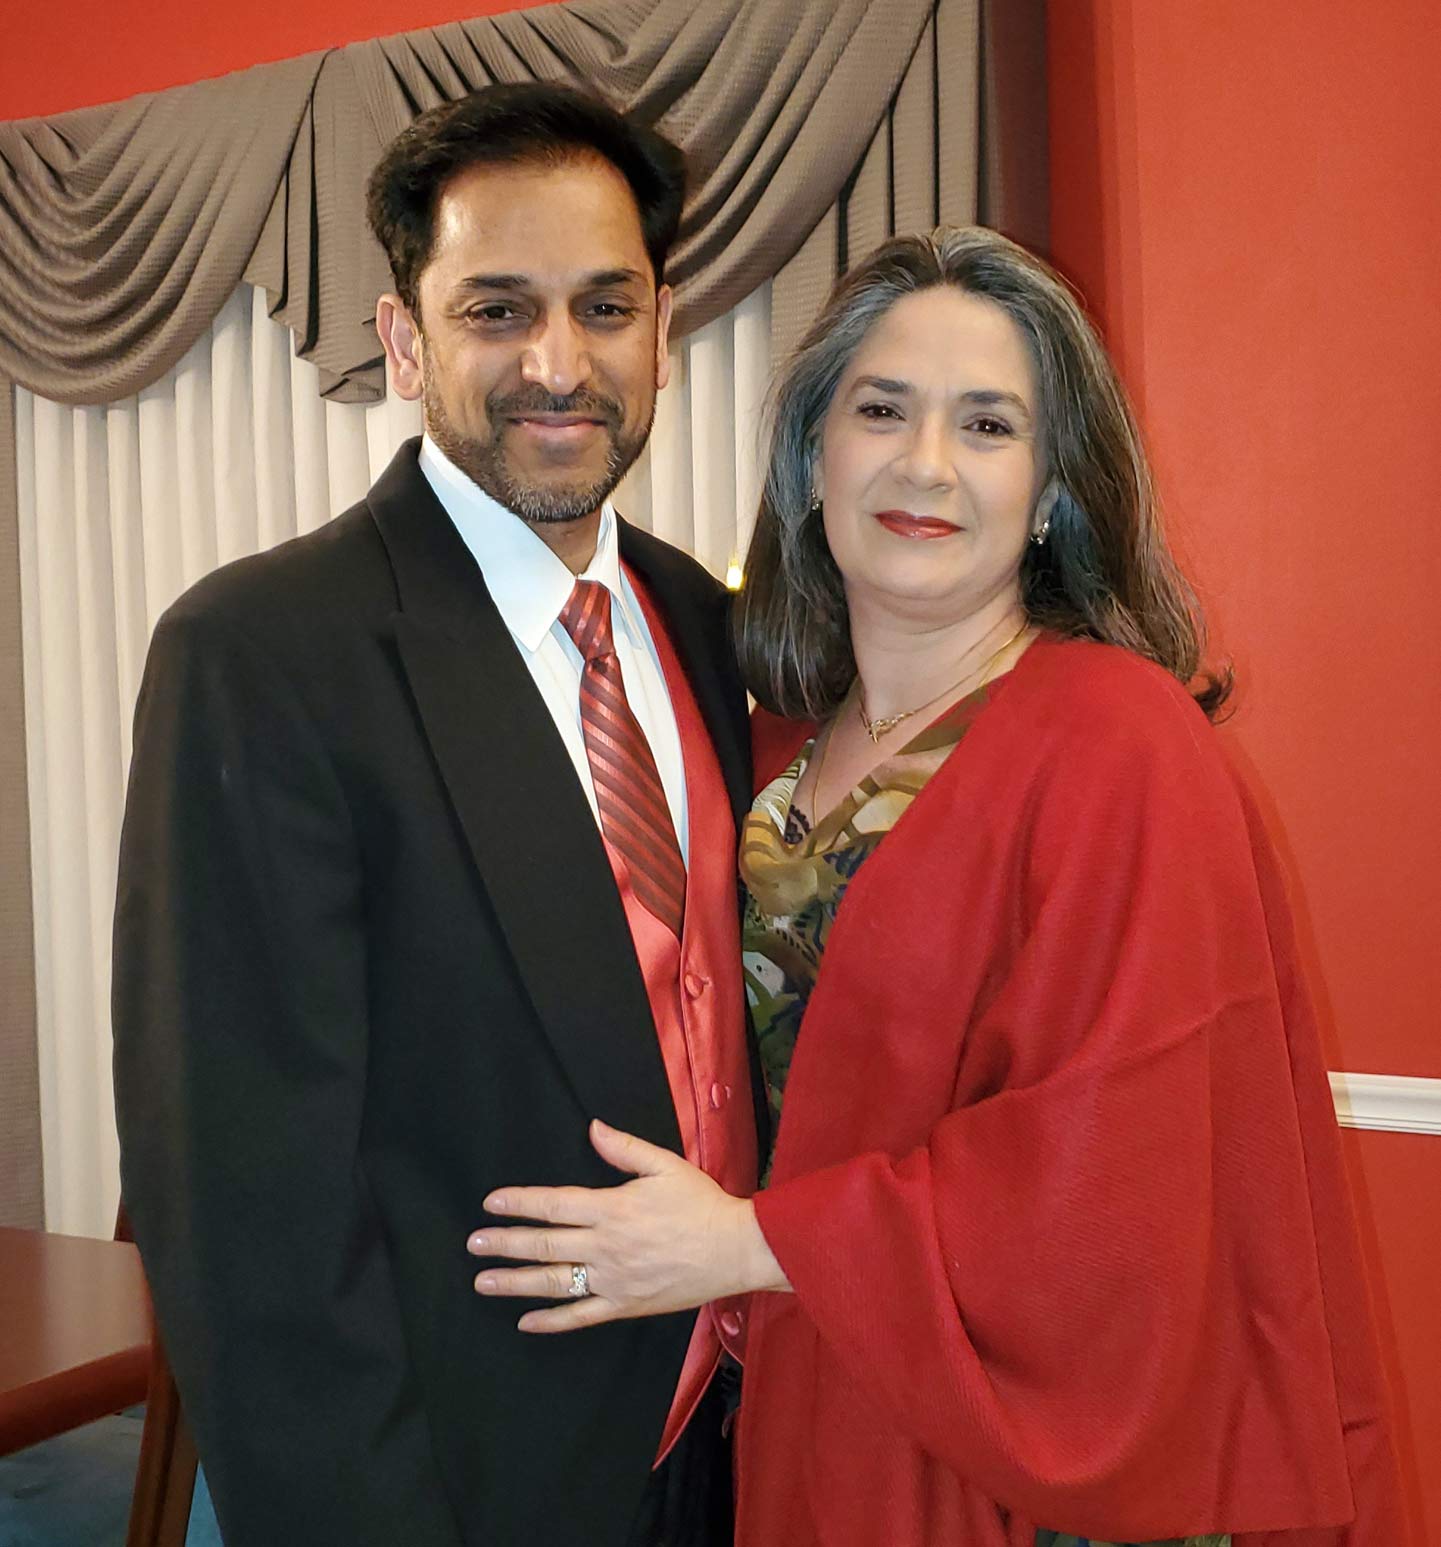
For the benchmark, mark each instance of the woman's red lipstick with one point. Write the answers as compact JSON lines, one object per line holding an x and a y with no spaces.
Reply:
{"x":904,"y":524}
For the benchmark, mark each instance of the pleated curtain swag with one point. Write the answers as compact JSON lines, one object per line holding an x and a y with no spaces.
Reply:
{"x":813,"y":128}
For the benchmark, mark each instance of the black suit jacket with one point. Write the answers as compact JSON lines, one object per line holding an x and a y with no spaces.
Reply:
{"x":369,"y":964}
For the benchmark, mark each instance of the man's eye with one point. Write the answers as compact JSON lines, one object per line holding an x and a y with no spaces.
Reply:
{"x":495,"y":311}
{"x":880,"y":411}
{"x":611,"y":311}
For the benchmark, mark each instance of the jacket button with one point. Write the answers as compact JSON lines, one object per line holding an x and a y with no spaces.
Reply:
{"x":694,"y":985}
{"x":731,"y":1323}
{"x":719,"y":1094}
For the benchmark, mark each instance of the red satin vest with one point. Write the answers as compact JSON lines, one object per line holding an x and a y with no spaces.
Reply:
{"x":697,"y":1000}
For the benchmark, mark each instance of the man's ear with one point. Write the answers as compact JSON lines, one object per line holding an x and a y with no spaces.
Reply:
{"x":400,"y":336}
{"x":664,"y":301}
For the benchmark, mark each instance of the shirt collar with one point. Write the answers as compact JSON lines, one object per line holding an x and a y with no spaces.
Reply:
{"x":527,"y":582}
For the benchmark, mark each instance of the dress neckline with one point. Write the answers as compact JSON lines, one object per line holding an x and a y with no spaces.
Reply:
{"x":943,"y":730}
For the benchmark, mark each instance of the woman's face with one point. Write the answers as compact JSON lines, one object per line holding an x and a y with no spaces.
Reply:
{"x":930,"y":459}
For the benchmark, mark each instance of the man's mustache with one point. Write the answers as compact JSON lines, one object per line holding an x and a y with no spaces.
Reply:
{"x":589,"y":405}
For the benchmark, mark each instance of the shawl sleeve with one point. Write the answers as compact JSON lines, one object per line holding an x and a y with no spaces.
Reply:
{"x":1095,"y":1285}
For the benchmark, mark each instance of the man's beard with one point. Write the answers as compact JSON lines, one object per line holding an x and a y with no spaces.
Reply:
{"x":486,"y":464}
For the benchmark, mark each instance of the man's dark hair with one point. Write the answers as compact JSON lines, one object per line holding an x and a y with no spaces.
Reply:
{"x":499,"y":125}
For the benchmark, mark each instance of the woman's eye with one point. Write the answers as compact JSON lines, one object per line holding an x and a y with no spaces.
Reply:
{"x":878,"y":411}
{"x":989,"y":426}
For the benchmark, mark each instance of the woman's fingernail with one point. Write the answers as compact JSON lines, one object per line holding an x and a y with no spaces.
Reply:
{"x":486,"y":1283}
{"x":495,"y":1204}
{"x":477,"y":1244}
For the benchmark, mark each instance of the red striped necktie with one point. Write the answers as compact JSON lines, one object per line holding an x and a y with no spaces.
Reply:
{"x":634,"y":814}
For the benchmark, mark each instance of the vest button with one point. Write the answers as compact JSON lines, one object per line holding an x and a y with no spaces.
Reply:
{"x":694,"y":985}
{"x":719,"y":1094}
{"x":731,"y":1323}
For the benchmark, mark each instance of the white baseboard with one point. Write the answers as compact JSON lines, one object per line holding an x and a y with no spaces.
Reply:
{"x":1396,"y":1102}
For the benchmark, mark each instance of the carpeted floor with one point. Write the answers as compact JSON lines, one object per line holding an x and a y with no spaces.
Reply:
{"x":74,"y":1491}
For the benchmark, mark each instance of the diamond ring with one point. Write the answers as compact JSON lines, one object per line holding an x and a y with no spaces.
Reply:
{"x":579,"y":1287}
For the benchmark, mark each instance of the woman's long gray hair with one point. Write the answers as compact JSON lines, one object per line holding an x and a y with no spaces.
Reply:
{"x":1105,"y":571}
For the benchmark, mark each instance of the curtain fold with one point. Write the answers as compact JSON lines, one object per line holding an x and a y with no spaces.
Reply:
{"x":20,"y":1165}
{"x":123,"y":229}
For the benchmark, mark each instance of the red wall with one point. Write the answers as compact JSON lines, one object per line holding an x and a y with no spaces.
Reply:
{"x":1247,"y":194}
{"x":80,"y":52}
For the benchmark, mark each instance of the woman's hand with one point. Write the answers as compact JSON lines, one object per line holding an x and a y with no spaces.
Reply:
{"x":668,"y":1241}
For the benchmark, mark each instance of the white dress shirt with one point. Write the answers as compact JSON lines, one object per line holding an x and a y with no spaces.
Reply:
{"x":530,"y":586}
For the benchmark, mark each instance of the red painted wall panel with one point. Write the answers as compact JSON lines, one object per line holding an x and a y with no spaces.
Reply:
{"x":1395,"y":1179}
{"x":1246,"y":195}
{"x":80,"y":52}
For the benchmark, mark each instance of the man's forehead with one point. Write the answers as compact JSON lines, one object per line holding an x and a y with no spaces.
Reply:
{"x":581,"y":209}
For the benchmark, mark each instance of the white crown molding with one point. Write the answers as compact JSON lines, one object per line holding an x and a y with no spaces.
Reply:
{"x":1398,"y":1103}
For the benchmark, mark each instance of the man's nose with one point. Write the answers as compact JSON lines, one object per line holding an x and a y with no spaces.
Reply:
{"x":556,"y":357}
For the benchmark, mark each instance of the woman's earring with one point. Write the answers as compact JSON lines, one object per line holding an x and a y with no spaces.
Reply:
{"x":1041,"y":533}
{"x":816,"y":505}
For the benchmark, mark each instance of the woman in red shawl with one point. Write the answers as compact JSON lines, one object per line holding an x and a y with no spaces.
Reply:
{"x":1054,"y":1245}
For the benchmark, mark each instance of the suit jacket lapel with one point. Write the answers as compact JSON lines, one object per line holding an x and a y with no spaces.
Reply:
{"x":522,"y":811}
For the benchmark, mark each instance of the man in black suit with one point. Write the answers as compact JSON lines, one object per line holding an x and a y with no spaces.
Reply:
{"x":388,"y":930}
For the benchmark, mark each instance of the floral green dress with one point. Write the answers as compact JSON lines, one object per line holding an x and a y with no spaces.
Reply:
{"x":795,"y":877}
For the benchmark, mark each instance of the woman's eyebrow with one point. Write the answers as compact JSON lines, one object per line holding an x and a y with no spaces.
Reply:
{"x":988,"y":397}
{"x":882,"y":384}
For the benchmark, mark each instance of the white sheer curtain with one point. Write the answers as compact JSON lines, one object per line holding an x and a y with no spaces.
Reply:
{"x":123,"y":507}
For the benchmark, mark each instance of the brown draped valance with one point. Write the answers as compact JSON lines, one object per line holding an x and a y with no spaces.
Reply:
{"x":813,"y":128}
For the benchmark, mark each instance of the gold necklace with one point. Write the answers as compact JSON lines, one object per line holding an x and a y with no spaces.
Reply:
{"x":821,"y":767}
{"x":875,"y":729}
